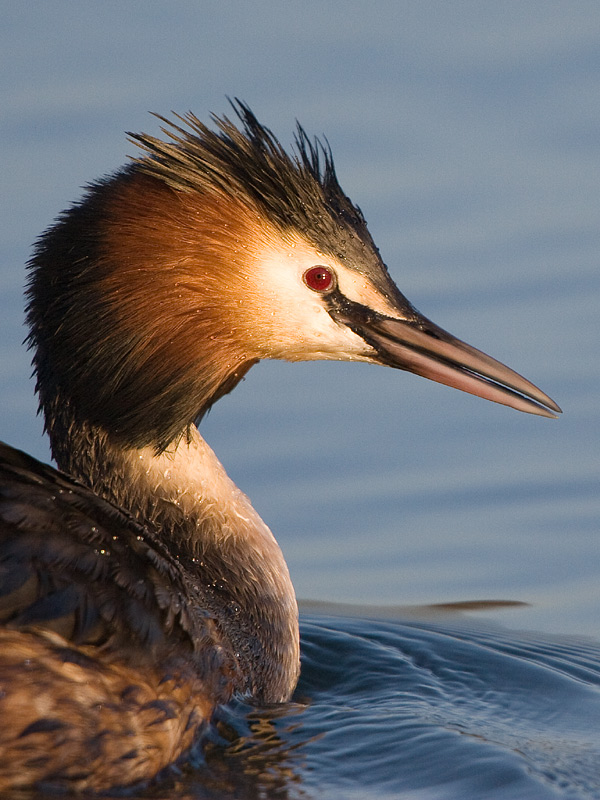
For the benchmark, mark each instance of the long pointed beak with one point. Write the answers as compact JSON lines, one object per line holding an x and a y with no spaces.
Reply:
{"x":418,"y":345}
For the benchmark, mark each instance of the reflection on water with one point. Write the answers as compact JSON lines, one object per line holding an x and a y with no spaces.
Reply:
{"x":431,"y":708}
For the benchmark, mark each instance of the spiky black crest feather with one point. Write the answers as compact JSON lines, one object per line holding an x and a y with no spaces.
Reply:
{"x":249,"y":162}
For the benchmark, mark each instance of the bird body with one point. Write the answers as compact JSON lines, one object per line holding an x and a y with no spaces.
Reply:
{"x":139,"y":588}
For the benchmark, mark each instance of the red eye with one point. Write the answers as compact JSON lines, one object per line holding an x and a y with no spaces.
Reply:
{"x":319,"y":279}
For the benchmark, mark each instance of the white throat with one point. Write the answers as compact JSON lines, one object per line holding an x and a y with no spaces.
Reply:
{"x":228,"y":540}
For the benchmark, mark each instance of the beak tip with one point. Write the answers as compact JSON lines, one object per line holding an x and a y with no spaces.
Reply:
{"x":552,"y":410}
{"x":551,"y":414}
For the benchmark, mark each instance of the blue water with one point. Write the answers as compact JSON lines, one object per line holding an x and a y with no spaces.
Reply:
{"x":469,"y":134}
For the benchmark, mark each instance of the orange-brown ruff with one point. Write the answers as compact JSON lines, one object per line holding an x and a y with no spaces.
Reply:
{"x":139,"y":589}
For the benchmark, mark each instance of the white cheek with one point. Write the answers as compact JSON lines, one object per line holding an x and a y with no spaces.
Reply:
{"x":294,"y":322}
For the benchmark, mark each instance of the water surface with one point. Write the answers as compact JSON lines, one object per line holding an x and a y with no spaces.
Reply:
{"x":433,"y":707}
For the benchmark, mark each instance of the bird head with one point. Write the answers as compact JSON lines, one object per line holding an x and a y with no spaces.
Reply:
{"x":214,"y":249}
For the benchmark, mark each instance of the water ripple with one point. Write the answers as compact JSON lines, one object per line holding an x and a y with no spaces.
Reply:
{"x":435,"y":709}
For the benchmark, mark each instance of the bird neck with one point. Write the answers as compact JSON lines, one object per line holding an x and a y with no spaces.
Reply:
{"x":185,"y":495}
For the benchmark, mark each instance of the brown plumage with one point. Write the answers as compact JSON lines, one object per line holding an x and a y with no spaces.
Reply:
{"x":86,"y":721}
{"x":139,"y":588}
{"x":103,"y":668}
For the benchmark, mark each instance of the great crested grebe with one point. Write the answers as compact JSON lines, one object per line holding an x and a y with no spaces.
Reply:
{"x":139,"y":588}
